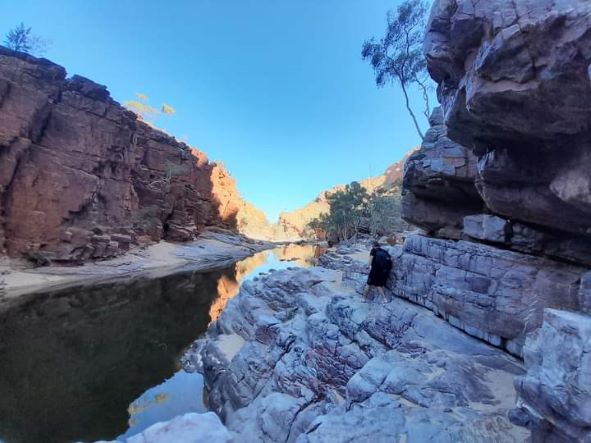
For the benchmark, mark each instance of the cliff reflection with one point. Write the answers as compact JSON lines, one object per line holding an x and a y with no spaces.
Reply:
{"x":73,"y":360}
{"x":300,"y":255}
{"x":278,"y":258}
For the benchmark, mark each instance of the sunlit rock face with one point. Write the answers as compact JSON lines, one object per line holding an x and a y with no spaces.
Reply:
{"x":294,"y":224}
{"x":81,"y":177}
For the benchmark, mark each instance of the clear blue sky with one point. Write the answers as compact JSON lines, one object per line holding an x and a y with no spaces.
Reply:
{"x":275,"y":89}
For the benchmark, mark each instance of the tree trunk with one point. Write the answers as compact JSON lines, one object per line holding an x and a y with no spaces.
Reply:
{"x":425,"y":97}
{"x":410,"y":111}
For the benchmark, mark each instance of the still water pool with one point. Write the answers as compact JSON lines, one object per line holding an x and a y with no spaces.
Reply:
{"x":101,"y":362}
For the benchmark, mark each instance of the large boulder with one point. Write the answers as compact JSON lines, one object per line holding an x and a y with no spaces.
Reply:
{"x":439,"y":182}
{"x":555,"y":393}
{"x":513,"y":79}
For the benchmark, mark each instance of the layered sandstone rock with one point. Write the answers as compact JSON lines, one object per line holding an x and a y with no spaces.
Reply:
{"x":496,"y":295}
{"x":81,"y":177}
{"x":515,"y":89}
{"x":439,"y":187}
{"x":514,"y":82}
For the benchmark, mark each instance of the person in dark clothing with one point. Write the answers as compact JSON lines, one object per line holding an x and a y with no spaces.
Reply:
{"x":380,"y":264}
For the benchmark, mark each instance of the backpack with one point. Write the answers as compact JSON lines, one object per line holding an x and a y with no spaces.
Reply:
{"x":382,"y":260}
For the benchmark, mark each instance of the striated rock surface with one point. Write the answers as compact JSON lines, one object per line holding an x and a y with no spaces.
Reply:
{"x":514,"y":84}
{"x":439,"y":188}
{"x":496,"y":295}
{"x":555,"y":393}
{"x":81,"y":177}
{"x":298,"y":356}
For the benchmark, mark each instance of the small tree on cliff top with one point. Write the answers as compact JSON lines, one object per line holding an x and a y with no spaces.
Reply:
{"x":141,"y":108}
{"x":398,"y":57}
{"x":21,"y":39}
{"x":147,"y":112}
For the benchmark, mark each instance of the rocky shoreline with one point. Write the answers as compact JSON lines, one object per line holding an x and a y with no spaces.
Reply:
{"x":314,"y":362}
{"x":298,"y":356}
{"x":213,"y":249}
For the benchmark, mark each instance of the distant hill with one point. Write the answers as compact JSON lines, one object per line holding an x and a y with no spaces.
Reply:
{"x":293,"y":225}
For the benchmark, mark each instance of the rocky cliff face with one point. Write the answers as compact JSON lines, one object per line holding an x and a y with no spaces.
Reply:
{"x":505,"y":168}
{"x":81,"y":177}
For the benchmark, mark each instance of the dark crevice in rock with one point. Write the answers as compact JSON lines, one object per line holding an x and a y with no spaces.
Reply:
{"x":4,"y":92}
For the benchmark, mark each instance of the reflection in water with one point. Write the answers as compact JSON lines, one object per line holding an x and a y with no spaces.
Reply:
{"x":279,"y":258}
{"x":72,"y":361}
{"x":176,"y":396}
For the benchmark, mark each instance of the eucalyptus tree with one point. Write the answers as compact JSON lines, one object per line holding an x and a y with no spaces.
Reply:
{"x":398,"y":56}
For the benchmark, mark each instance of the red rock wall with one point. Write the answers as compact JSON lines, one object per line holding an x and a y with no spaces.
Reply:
{"x":82,"y":178}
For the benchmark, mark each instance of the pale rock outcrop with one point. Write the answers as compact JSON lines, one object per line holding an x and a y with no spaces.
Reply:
{"x":487,"y":227}
{"x":309,"y":361}
{"x":188,"y":428}
{"x":439,"y":187}
{"x":493,"y":294}
{"x":555,"y":393}
{"x":519,"y":237}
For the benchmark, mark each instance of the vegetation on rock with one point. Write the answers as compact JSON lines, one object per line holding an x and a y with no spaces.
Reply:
{"x":398,"y":56}
{"x":21,"y":39}
{"x":354,"y":210}
{"x":146,"y":112}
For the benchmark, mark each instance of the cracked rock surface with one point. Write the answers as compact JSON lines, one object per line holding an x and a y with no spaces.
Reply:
{"x":298,"y":356}
{"x":514,"y":85}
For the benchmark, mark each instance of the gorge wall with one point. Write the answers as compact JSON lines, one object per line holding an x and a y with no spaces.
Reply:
{"x":293,"y":226}
{"x":501,"y":186}
{"x":81,"y":177}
